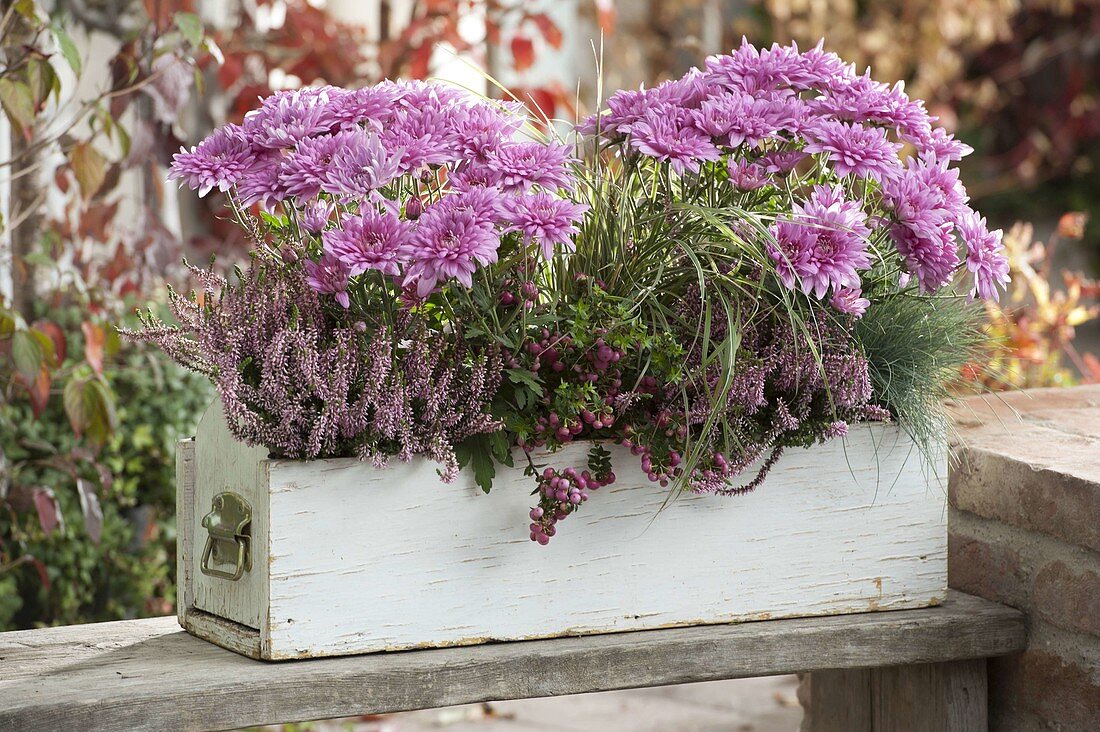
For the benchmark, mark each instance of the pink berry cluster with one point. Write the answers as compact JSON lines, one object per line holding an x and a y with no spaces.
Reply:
{"x":654,"y":470}
{"x":525,"y":294}
{"x":560,"y":494}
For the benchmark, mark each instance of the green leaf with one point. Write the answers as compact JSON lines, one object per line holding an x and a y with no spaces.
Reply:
{"x":73,"y":398}
{"x":475,"y":452}
{"x":99,"y":404}
{"x":42,"y":80}
{"x":525,"y":377}
{"x":501,"y":447}
{"x":7,"y":325}
{"x":484,"y":469}
{"x":67,"y":47}
{"x":45,"y":344}
{"x":190,"y":25}
{"x":27,"y":9}
{"x":89,"y":167}
{"x":124,"y":141}
{"x":27,"y":354}
{"x":18,"y":102}
{"x":39,"y":259}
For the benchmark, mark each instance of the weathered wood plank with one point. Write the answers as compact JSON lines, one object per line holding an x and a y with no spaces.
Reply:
{"x":185,"y":517}
{"x":930,"y":697}
{"x":146,"y":674}
{"x":840,"y":701}
{"x":923,"y":697}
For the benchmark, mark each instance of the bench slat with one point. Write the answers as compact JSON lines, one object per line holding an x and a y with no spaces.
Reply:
{"x":147,"y":674}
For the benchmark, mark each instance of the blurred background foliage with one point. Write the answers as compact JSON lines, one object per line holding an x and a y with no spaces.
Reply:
{"x":97,"y":94}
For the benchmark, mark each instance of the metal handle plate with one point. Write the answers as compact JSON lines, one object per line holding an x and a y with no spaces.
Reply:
{"x":229,"y":525}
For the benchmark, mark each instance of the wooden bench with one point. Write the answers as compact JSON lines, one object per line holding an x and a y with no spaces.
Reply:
{"x":899,"y":670}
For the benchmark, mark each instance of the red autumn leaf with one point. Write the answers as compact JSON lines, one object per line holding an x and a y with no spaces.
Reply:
{"x":419,"y":63}
{"x":94,"y":222}
{"x":43,"y":575}
{"x":53,"y":330}
{"x":605,"y":15}
{"x":230,"y":70}
{"x":549,"y":29}
{"x":45,"y":505}
{"x":119,"y":265}
{"x":162,"y":11}
{"x":40,"y":392}
{"x":523,"y":53}
{"x":61,"y":178}
{"x":94,"y":339}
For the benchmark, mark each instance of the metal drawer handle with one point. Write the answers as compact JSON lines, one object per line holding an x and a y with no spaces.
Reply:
{"x":229,"y":524}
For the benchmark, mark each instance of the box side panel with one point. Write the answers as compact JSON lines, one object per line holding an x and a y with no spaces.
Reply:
{"x":365,"y":560}
{"x":224,"y":464}
{"x":185,"y":519}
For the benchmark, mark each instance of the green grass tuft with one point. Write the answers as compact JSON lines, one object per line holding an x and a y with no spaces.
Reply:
{"x":917,"y":348}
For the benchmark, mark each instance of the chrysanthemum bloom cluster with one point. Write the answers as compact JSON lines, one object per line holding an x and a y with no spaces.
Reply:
{"x":870,"y":173}
{"x":413,"y":182}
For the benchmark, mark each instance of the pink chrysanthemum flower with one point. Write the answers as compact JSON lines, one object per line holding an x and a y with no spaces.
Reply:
{"x":378,"y":241}
{"x":747,"y":176}
{"x":286,"y":117}
{"x":939,"y":144}
{"x":823,"y":244}
{"x":985,"y":256}
{"x":863,"y":100}
{"x":931,"y":255}
{"x":449,"y":243}
{"x":624,"y":108}
{"x":468,"y":177}
{"x":735,"y":118}
{"x":687,"y":92}
{"x":371,"y":106}
{"x":543,"y":218}
{"x":926,"y":199}
{"x":854,"y":149}
{"x":302,"y":173}
{"x":329,"y":277}
{"x":526,"y":164}
{"x":484,"y":202}
{"x":359,"y":165}
{"x":482,"y":129}
{"x":219,"y":161}
{"x":315,"y":215}
{"x":781,"y":162}
{"x":418,"y":94}
{"x":661,"y":135}
{"x":850,"y":300}
{"x":262,"y":182}
{"x":423,"y":136}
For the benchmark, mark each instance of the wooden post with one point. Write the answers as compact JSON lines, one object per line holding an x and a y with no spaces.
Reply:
{"x":932,"y":697}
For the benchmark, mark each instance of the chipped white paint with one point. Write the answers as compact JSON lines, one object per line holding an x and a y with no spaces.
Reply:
{"x":350,"y":559}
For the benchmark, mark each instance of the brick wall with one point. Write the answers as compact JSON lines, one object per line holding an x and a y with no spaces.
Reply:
{"x":1024,"y":526}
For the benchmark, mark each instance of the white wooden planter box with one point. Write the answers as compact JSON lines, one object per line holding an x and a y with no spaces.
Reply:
{"x":350,"y":559}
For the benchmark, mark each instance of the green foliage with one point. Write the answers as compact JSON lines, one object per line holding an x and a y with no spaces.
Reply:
{"x":917,"y":348}
{"x":121,"y":562}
